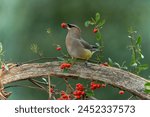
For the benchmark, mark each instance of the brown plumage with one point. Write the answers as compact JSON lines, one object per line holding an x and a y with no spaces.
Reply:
{"x":76,"y":46}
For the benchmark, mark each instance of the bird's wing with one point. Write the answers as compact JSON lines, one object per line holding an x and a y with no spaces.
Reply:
{"x":85,"y":44}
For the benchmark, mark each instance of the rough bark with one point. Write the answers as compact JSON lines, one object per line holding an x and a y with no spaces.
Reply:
{"x":110,"y":75}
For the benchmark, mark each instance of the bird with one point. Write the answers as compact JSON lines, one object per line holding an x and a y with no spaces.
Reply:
{"x":76,"y":46}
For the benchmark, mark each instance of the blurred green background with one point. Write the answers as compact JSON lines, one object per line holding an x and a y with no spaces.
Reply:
{"x":23,"y":22}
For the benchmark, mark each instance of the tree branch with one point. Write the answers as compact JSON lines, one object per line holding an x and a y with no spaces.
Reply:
{"x":113,"y":76}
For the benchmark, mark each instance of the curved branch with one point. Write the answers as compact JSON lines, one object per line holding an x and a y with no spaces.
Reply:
{"x":113,"y":76}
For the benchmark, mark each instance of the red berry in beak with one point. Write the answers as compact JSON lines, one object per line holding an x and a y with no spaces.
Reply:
{"x":63,"y":25}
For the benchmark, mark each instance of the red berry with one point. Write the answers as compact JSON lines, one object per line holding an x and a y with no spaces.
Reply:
{"x":92,"y":83}
{"x":75,"y":93}
{"x":121,"y":92}
{"x":93,"y":88}
{"x":77,"y":85}
{"x":95,"y":85}
{"x":82,"y":93}
{"x":60,"y":98}
{"x":103,"y":85}
{"x":78,"y":96}
{"x":68,"y":65}
{"x":98,"y":85}
{"x":65,"y":65}
{"x":104,"y":64}
{"x":64,"y":96}
{"x":52,"y":90}
{"x":63,"y":25}
{"x":62,"y":93}
{"x":2,"y":66}
{"x":95,"y":30}
{"x":79,"y":92}
{"x":58,"y":48}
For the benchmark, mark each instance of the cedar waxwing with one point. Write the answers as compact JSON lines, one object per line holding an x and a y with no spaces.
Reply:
{"x":76,"y":46}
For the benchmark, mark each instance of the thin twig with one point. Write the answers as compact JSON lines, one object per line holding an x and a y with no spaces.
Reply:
{"x":49,"y":87}
{"x":130,"y":97}
{"x":10,"y":86}
{"x":41,"y":58}
{"x":68,"y":85}
{"x":35,"y":83}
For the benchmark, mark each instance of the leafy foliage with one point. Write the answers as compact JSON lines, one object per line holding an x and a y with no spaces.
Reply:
{"x":97,"y":22}
{"x":122,"y":66}
{"x":1,"y":53}
{"x":35,"y":49}
{"x":147,"y":87}
{"x":136,"y":52}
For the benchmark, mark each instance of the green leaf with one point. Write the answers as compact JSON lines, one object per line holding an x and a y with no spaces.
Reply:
{"x":97,"y":18}
{"x":90,"y":93}
{"x":92,"y":22}
{"x":147,"y":91}
{"x":133,"y":59}
{"x":125,"y":67}
{"x":45,"y":80}
{"x":143,"y":67}
{"x":48,"y":30}
{"x":139,"y":40}
{"x":6,"y":67}
{"x":34,"y":48}
{"x":130,"y":30}
{"x":60,"y":58}
{"x":110,"y":62}
{"x":142,"y":56}
{"x":1,"y":48}
{"x":97,"y":44}
{"x":87,"y":23}
{"x":134,"y":65}
{"x":98,"y":36}
{"x":147,"y":87}
{"x":101,"y":23}
{"x":117,"y":64}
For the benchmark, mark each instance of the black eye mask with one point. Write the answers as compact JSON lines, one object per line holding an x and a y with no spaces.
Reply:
{"x":71,"y":25}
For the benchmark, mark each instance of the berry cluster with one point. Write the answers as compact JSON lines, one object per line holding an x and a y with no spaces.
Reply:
{"x":64,"y":96}
{"x":63,"y":25}
{"x":79,"y":92}
{"x":65,"y":65}
{"x":94,"y":86}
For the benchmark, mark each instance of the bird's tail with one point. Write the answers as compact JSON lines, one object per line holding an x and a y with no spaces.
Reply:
{"x":95,"y":48}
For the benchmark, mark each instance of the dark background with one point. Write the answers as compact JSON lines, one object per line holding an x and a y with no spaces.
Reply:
{"x":23,"y":22}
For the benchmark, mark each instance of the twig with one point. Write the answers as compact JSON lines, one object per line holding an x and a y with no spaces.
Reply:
{"x":49,"y":87}
{"x":41,"y":58}
{"x":35,"y":83}
{"x":68,"y":85}
{"x":130,"y":97}
{"x":27,"y":86}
